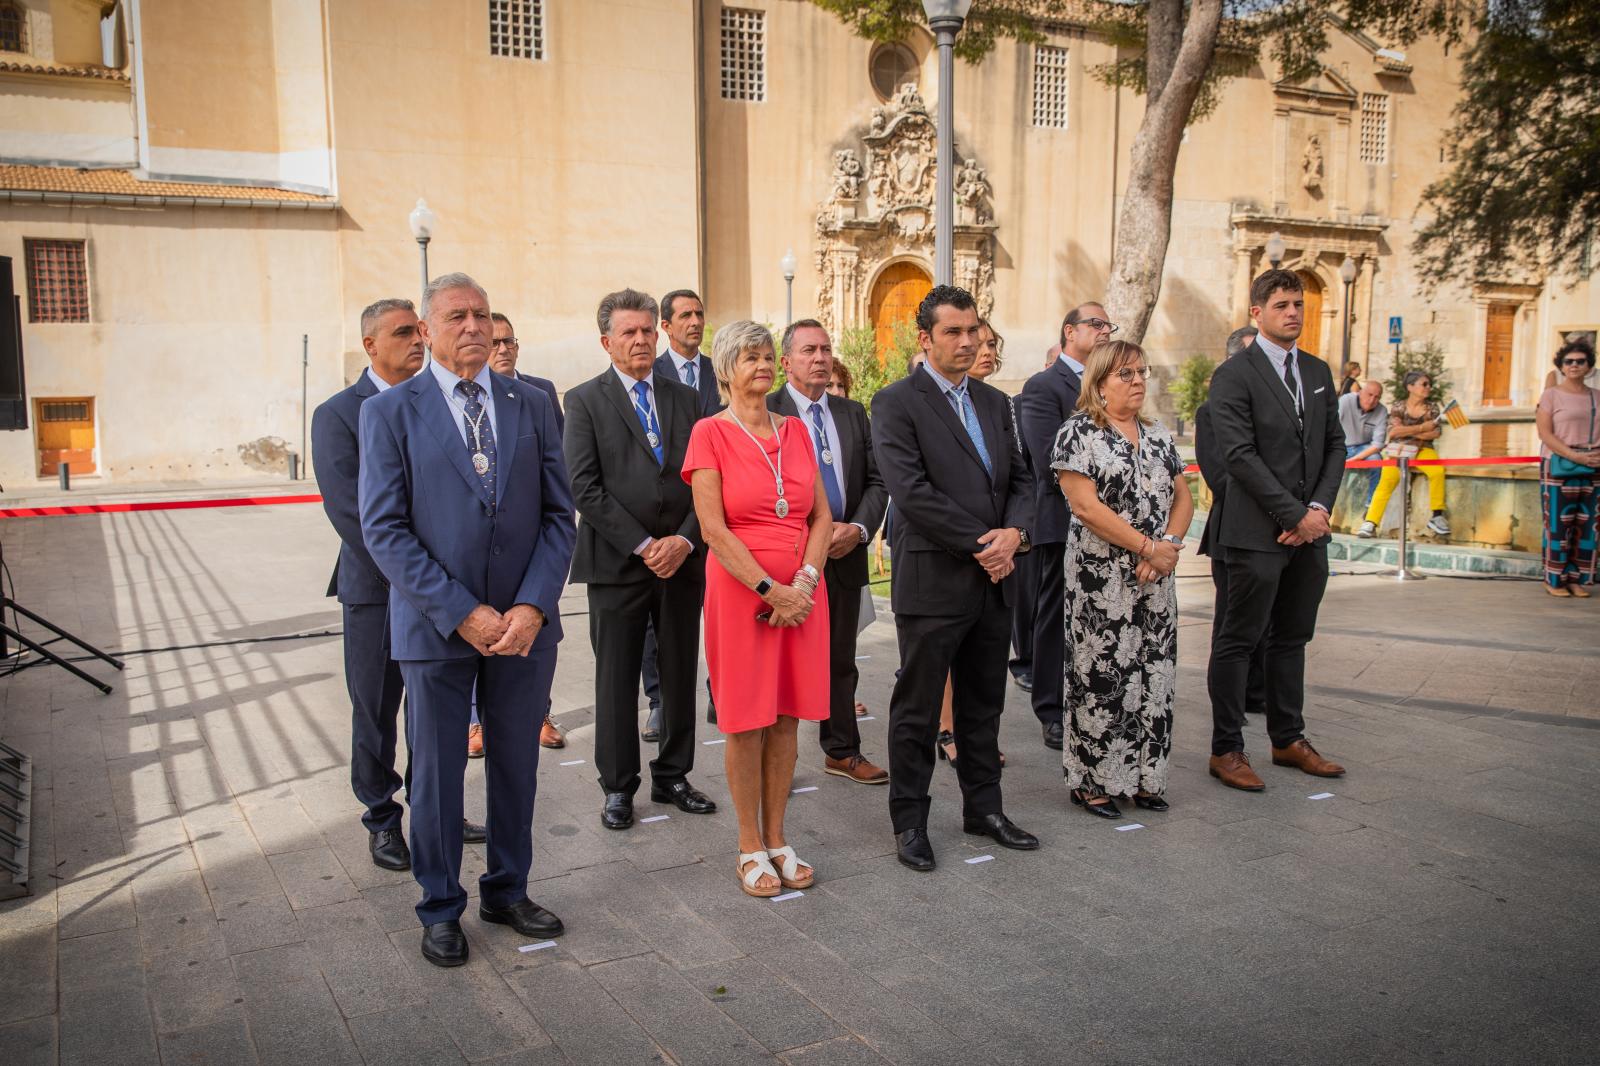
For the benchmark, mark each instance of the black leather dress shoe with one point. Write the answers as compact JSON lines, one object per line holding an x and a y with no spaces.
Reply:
{"x":1095,"y":804}
{"x":683,"y":796}
{"x":1151,"y":803}
{"x":472,"y":832}
{"x":388,"y":847}
{"x":526,"y":917}
{"x":443,"y":944}
{"x":651,"y":733}
{"x":1053,"y":734}
{"x":618,"y":811}
{"x":1024,"y":681}
{"x":1002,"y":830}
{"x":914,"y":849}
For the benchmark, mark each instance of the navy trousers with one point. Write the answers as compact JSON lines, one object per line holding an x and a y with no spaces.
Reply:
{"x":375,"y":689}
{"x":1050,"y":633}
{"x":513,"y":694}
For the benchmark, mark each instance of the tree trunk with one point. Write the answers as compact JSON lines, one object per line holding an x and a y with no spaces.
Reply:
{"x":1145,"y":224}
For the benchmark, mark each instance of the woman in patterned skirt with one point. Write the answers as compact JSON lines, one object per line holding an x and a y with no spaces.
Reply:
{"x":1130,"y":507}
{"x":1569,"y":430}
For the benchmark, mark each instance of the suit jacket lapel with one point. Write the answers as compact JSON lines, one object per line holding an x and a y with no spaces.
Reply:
{"x":440,"y":419}
{"x":935,"y":397}
{"x":706,"y":381}
{"x":994,"y":437}
{"x":1262,"y":364}
{"x":850,"y":446}
{"x":364,"y":386}
{"x":611,"y":385}
{"x":508,"y":413}
{"x":1312,"y":409}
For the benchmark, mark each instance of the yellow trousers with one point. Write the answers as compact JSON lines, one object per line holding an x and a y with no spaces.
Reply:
{"x":1389,"y":477}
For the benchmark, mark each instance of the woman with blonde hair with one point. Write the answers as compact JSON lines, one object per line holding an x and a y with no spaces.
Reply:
{"x":1130,"y":506}
{"x":764,"y":515}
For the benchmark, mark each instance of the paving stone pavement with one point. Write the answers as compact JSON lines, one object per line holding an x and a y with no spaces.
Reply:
{"x":204,"y":895}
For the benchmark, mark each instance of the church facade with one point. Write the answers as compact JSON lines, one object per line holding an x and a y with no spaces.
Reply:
{"x":198,"y":199}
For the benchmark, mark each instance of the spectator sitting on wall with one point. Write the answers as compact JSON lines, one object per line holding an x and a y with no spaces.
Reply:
{"x":1365,"y":421}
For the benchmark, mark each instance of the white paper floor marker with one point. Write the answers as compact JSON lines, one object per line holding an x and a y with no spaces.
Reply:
{"x":537,"y":947}
{"x":787,"y":895}
{"x":867,"y":718}
{"x":1125,"y":828}
{"x":719,"y":740}
{"x":808,"y":788}
{"x":573,"y":762}
{"x":1321,"y":796}
{"x":859,"y":658}
{"x":980,"y":858}
{"x":654,"y":818}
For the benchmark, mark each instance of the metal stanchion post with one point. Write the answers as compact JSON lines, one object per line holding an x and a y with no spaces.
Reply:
{"x":64,"y":472}
{"x":1402,"y":570}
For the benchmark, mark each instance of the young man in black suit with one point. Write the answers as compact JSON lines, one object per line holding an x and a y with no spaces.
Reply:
{"x":1048,"y":399}
{"x":640,"y":554}
{"x":841,"y":440}
{"x":1273,"y":413}
{"x":963,"y":503}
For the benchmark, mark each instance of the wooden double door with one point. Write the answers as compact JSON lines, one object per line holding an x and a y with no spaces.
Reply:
{"x":65,"y":434}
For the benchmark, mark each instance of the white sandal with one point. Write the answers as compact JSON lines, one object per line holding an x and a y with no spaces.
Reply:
{"x":789,"y":868}
{"x":748,"y":878}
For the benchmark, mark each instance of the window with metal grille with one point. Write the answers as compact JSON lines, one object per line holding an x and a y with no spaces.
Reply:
{"x":891,"y":66}
{"x":1374,"y":127}
{"x":58,"y":281}
{"x":744,"y":54}
{"x":13,"y":28}
{"x":1050,"y":87}
{"x":516,"y":28}
{"x":64,"y":411}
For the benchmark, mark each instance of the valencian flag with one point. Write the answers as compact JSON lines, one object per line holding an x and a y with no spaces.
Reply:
{"x":1456,"y":416}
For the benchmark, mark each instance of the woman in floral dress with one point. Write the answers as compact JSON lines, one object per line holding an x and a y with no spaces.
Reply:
{"x":1130,"y":508}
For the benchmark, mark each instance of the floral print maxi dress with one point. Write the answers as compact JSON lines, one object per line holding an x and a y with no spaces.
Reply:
{"x":1122,"y":637}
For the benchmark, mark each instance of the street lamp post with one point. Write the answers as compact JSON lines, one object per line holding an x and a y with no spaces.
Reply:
{"x":1275,"y":250}
{"x":787,"y":265}
{"x":945,"y":18}
{"x":1347,"y":274}
{"x":422,"y":222}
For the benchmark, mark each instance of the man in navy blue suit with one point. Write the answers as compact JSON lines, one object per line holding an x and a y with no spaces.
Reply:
{"x":1048,"y":399}
{"x":393,"y":342}
{"x":466,"y":510}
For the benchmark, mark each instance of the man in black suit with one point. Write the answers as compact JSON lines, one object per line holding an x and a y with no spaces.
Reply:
{"x":639,"y":551}
{"x":1048,"y":399}
{"x":963,"y":503}
{"x":1216,"y":477}
{"x":1272,"y":410}
{"x":503,"y":360}
{"x":394,"y":346}
{"x":842,"y":442}
{"x":683,"y":319}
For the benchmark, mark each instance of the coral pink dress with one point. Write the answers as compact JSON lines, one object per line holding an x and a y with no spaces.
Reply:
{"x":759,"y":671}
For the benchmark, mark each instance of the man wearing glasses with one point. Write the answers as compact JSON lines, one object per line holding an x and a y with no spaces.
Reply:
{"x":1048,"y":399}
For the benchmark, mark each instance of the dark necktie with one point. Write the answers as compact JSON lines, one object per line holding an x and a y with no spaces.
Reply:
{"x":480,"y":434}
{"x":647,"y":419}
{"x":826,"y":457}
{"x":1288,"y":379}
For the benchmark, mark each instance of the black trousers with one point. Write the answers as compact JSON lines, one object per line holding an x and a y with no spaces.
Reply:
{"x":373,"y":680}
{"x":838,"y":734}
{"x":1049,"y":633}
{"x":619,"y":616}
{"x":970,"y":649}
{"x":652,"y":677}
{"x":1255,"y":695}
{"x":1271,"y":596}
{"x":1024,"y":596}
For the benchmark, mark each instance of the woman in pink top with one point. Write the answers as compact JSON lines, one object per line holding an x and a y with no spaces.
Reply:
{"x":1569,"y":427}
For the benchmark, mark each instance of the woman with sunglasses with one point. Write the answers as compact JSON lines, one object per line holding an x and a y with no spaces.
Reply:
{"x":1413,"y":427}
{"x":1130,"y":506}
{"x":1570,"y":456}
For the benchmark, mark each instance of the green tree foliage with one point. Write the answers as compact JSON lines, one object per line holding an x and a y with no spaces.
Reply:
{"x":1524,"y":183}
{"x":1427,"y":357}
{"x":871,"y":370}
{"x":1192,"y":385}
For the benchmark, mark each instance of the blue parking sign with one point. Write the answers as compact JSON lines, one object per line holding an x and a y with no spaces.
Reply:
{"x":1394,"y":329}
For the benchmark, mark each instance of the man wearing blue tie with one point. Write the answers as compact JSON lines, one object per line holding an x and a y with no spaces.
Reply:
{"x":841,"y":439}
{"x":466,"y":511}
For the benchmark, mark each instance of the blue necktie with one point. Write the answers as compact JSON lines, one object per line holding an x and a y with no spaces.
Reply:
{"x":689,"y":377}
{"x":477,"y":419}
{"x":647,"y":419}
{"x":969,"y":418}
{"x":830,"y":478}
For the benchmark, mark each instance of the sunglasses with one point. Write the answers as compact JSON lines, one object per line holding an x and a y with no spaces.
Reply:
{"x":1128,"y":373}
{"x":1580,"y":361}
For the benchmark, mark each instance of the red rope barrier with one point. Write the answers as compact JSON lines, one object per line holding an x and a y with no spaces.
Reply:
{"x":151,"y":505}
{"x":1373,"y":464}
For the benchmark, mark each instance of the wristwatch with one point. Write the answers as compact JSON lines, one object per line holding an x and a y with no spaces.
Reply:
{"x":1027,"y":545}
{"x":763,"y":587}
{"x":1172,"y":538}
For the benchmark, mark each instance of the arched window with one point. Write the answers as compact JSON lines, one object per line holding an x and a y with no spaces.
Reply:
{"x":891,"y":66}
{"x":13,"y":28}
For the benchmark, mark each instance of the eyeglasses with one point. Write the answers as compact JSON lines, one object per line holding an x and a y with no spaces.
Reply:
{"x":505,"y":342}
{"x":1580,"y":361}
{"x":1099,"y":325}
{"x":1127,"y":374}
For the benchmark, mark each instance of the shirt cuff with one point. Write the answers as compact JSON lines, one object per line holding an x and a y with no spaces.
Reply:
{"x":865,"y":536}
{"x":643,"y":544}
{"x":1314,"y":506}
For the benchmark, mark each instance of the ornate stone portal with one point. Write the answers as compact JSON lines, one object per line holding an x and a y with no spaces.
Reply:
{"x":880,"y":211}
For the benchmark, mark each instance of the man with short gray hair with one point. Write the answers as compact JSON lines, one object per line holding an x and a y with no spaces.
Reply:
{"x":466,"y":511}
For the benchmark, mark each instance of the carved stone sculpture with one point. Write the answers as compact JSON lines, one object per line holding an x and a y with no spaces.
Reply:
{"x":1311,"y":163}
{"x":972,"y":189}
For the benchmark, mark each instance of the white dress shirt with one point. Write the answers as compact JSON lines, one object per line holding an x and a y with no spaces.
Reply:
{"x":382,"y":385}
{"x":448,"y":381}
{"x":680,"y":363}
{"x":1280,"y":359}
{"x":835,"y":444}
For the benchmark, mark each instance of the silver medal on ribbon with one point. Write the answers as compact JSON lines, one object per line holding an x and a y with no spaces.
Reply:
{"x":480,"y":463}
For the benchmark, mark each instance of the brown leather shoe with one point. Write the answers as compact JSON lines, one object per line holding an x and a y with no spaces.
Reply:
{"x":475,"y":741}
{"x":1303,"y":756}
{"x":857,"y":769}
{"x":550,"y":736}
{"x":1233,"y":770}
